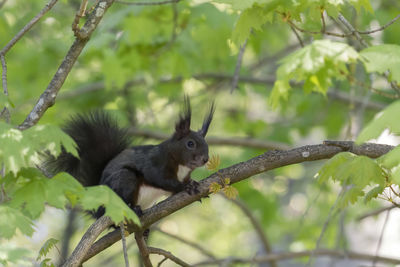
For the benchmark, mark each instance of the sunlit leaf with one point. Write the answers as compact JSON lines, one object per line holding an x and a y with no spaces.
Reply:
{"x":47,"y":246}
{"x":213,"y":163}
{"x":214,"y":187}
{"x":12,"y":219}
{"x":230,"y":192}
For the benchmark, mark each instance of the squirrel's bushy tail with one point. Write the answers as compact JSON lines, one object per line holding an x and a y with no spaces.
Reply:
{"x":98,"y":138}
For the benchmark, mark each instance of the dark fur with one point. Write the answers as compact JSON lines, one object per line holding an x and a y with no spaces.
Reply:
{"x":106,"y":158}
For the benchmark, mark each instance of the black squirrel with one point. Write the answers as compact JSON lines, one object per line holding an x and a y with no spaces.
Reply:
{"x":138,"y":174}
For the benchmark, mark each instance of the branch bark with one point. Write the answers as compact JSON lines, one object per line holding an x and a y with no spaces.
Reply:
{"x":88,"y":238}
{"x":168,"y":255}
{"x":48,"y":97}
{"x":262,"y":163}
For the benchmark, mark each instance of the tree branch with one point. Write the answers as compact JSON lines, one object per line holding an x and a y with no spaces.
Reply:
{"x":307,"y":253}
{"x":143,"y":249}
{"x":187,"y":242}
{"x":168,"y":255}
{"x":88,"y":238}
{"x":257,"y":227}
{"x":27,"y":27}
{"x":262,"y":163}
{"x":124,"y":247}
{"x":235,"y":78}
{"x":48,"y":97}
{"x":375,"y":212}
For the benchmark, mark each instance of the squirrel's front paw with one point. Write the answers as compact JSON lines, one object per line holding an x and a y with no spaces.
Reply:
{"x":192,"y":187}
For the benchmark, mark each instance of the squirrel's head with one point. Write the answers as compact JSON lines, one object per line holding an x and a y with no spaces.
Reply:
{"x":189,"y":147}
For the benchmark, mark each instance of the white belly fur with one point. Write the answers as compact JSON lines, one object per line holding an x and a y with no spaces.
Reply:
{"x":182,"y":172}
{"x":149,"y":195}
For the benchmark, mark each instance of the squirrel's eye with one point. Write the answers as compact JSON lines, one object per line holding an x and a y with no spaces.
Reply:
{"x":190,"y":144}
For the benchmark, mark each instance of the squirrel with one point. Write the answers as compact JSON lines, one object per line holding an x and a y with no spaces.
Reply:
{"x":138,"y":174}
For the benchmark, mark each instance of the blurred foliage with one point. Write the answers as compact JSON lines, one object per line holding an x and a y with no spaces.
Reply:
{"x":139,"y":63}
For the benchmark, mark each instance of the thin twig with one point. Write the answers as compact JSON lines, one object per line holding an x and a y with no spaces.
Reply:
{"x":323,"y":29}
{"x":48,"y":97}
{"x":297,"y":36}
{"x":331,"y":214}
{"x":257,"y":227}
{"x":168,"y":255}
{"x":375,"y":212}
{"x":235,"y":78}
{"x":147,"y":3}
{"x":4,"y":74}
{"x":67,"y":235}
{"x":378,"y":246}
{"x":143,"y":249}
{"x":382,"y":27}
{"x":162,"y":261}
{"x":27,"y":27}
{"x":318,"y":32}
{"x":188,"y":242}
{"x":122,"y":228}
{"x":353,"y":31}
{"x":79,"y":14}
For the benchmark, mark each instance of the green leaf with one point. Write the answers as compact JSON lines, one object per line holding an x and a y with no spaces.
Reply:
{"x":381,"y":58}
{"x":358,"y":4}
{"x":230,"y":192}
{"x":395,"y":176}
{"x":31,"y":197}
{"x":351,"y":195}
{"x":12,"y":219}
{"x":316,"y":64}
{"x":387,"y":119}
{"x":214,"y":187}
{"x":47,"y":246}
{"x":11,"y":254}
{"x":330,"y":168}
{"x":240,"y":4}
{"x":373,"y":193}
{"x":46,"y":263}
{"x":63,"y":188}
{"x":354,"y":174}
{"x":42,"y":134}
{"x":390,"y":159}
{"x":13,"y":148}
{"x":96,"y":196}
{"x":250,"y":19}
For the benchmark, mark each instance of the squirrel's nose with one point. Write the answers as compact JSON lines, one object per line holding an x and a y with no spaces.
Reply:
{"x":205,"y":159}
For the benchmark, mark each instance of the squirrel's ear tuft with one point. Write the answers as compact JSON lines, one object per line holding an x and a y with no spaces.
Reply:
{"x":182,"y":127}
{"x":207,"y":120}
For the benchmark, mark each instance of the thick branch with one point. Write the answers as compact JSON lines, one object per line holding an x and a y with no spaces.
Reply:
{"x":48,"y":97}
{"x":88,"y":238}
{"x":301,"y":254}
{"x":265,"y":162}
